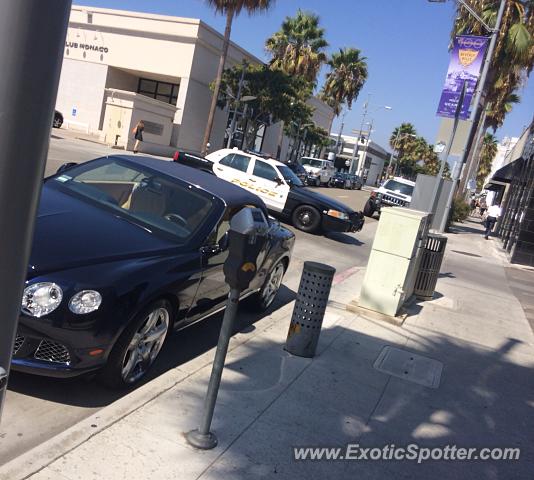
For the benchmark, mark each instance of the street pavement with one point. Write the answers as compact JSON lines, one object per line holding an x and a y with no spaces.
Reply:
{"x":38,"y":408}
{"x":271,"y":401}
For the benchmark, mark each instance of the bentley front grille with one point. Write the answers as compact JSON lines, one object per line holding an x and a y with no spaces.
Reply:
{"x":19,"y":341}
{"x":50,"y":351}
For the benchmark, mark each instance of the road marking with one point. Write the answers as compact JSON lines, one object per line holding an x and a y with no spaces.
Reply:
{"x":342,"y":276}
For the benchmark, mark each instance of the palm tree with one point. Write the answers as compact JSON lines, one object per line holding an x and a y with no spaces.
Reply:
{"x":513,"y":58}
{"x":402,"y":137}
{"x":495,"y":116}
{"x":487,"y":155}
{"x":348,"y":73}
{"x":298,"y":47}
{"x":230,"y":8}
{"x":298,"y":50}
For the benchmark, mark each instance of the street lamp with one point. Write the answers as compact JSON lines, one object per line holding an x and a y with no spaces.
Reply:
{"x":357,"y":144}
{"x":244,"y":99}
{"x":298,"y":138}
{"x":338,"y":139}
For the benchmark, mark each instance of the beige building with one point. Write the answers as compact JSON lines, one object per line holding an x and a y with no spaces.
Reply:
{"x":120,"y":67}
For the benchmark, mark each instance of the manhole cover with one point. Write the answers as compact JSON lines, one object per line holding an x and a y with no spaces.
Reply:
{"x":467,"y":253}
{"x":409,"y":366}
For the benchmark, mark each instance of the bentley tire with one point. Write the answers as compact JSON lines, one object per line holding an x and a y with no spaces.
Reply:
{"x":263,"y":299}
{"x":138,"y":347}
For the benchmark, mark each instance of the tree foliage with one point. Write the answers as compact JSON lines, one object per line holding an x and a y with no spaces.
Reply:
{"x":513,"y":58}
{"x":414,"y":154}
{"x":277,"y":96}
{"x":347,"y":75}
{"x":487,"y":155}
{"x":298,"y":48}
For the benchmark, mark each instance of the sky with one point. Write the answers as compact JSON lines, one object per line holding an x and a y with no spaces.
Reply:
{"x":405,"y":43}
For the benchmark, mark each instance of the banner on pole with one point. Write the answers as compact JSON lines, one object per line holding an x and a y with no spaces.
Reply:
{"x":465,"y":63}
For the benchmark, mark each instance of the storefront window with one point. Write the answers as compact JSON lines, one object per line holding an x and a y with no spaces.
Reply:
{"x":162,"y":91}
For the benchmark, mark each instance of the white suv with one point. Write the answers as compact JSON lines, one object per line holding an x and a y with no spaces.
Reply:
{"x":395,"y":192}
{"x":320,"y":171}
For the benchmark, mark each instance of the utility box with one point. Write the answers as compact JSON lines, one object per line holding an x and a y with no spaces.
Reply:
{"x":390,"y":276}
{"x":422,"y":197}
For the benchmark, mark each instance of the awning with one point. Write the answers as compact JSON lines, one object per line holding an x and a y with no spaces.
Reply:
{"x":506,"y":173}
{"x":495,"y":186}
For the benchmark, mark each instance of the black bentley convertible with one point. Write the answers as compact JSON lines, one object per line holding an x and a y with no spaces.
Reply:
{"x":125,"y":250}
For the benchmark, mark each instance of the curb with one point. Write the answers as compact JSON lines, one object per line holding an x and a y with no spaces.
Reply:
{"x":38,"y":458}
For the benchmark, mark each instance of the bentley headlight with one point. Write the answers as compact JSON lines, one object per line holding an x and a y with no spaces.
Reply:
{"x":338,"y":214}
{"x":41,"y":298}
{"x":86,"y":301}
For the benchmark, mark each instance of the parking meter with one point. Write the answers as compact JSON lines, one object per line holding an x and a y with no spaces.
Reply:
{"x":246,"y":238}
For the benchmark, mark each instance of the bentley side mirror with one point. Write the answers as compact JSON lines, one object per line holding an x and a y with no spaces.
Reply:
{"x":66,"y":166}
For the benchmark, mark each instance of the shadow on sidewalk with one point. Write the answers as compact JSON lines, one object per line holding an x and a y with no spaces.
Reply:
{"x":179,"y":348}
{"x":484,"y":400}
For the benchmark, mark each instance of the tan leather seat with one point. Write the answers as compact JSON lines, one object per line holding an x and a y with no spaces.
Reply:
{"x":149,"y":197}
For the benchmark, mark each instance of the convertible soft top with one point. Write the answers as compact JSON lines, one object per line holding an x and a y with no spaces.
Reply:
{"x":232,"y":195}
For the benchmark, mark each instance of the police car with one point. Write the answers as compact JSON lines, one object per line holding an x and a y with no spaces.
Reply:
{"x":283,"y":192}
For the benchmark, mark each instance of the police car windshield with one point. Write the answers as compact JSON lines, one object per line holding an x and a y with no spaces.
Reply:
{"x":289,"y":176}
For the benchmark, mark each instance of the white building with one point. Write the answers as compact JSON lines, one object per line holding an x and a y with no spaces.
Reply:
{"x":370,"y":155}
{"x":505,"y":155}
{"x":120,"y":67}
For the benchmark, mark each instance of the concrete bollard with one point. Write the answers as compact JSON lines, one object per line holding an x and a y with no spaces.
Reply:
{"x":310,"y":306}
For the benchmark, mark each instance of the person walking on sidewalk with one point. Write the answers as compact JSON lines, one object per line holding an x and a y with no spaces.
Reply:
{"x":482,"y":206}
{"x":494,"y":212}
{"x":138,"y":135}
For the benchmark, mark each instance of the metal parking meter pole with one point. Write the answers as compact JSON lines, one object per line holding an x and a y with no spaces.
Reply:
{"x":246,"y":237}
{"x":203,"y":438}
{"x":32,"y":40}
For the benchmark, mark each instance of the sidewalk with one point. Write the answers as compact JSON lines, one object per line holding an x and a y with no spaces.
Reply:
{"x":271,"y":401}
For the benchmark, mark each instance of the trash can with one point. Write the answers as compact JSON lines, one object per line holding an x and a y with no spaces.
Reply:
{"x":310,"y":306}
{"x":427,"y":276}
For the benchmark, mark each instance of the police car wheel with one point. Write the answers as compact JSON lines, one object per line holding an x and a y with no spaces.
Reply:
{"x":368,"y":209}
{"x":306,"y":218}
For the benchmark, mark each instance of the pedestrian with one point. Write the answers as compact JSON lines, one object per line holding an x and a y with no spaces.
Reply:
{"x":138,"y":135}
{"x":473,"y":206}
{"x":494,"y":212}
{"x":482,"y":206}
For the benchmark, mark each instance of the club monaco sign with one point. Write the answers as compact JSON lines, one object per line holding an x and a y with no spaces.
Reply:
{"x":87,"y":47}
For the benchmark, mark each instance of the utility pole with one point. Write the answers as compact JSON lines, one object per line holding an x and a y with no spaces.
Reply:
{"x":364,"y":156}
{"x":439,"y":178}
{"x":32,"y":41}
{"x":478,"y":94}
{"x":357,"y":145}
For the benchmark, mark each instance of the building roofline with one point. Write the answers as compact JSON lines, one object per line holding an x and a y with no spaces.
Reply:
{"x":166,"y":18}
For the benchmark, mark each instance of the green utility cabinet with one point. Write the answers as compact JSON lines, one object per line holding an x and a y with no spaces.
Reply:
{"x":390,"y":276}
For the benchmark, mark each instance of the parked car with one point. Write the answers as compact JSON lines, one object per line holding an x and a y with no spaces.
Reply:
{"x":283,"y":192}
{"x":58,"y":119}
{"x":341,"y":180}
{"x":125,"y":250}
{"x":299,"y":171}
{"x":320,"y":171}
{"x":356,"y":182}
{"x":193,"y":160}
{"x":395,"y":192}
